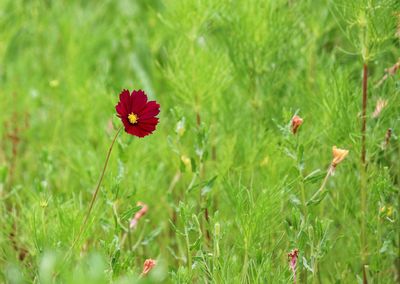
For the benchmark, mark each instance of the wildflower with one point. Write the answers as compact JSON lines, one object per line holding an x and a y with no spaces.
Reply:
{"x":139,"y":119}
{"x":380,"y":105}
{"x":136,"y":113}
{"x":138,"y":215}
{"x":292,"y":256}
{"x":296,"y":122}
{"x":338,"y":155}
{"x":148,"y":265}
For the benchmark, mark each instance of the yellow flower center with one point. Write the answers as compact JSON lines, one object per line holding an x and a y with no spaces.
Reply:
{"x":132,"y":118}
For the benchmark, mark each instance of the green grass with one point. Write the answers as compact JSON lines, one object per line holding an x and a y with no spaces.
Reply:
{"x":243,"y":68}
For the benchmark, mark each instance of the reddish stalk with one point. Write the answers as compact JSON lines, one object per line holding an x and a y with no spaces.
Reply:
{"x":12,"y":132}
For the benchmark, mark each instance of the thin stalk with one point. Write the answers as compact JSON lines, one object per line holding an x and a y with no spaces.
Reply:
{"x":304,"y":275}
{"x":201,"y":173}
{"x":364,"y":112}
{"x":303,"y":197}
{"x":208,"y":221}
{"x":328,"y":174}
{"x":189,"y":255}
{"x":84,"y":224}
{"x":244,"y":276}
{"x":302,"y":188}
{"x":363,"y":194}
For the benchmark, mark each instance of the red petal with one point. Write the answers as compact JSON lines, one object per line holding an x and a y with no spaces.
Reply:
{"x":126,"y":123}
{"x":133,"y":129}
{"x":147,"y":127}
{"x":150,"y":121}
{"x":136,"y":102}
{"x":124,"y":101}
{"x":136,"y":131}
{"x":151,"y":109}
{"x":139,"y":100}
{"x":121,"y":110}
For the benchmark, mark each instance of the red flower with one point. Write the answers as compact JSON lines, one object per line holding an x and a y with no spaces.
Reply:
{"x":137,"y":114}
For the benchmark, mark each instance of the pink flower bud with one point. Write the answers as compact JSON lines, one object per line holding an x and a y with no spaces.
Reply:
{"x":296,"y":122}
{"x":148,"y":265}
{"x":293,"y":255}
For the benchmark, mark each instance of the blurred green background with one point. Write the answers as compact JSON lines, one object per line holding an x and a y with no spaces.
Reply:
{"x":223,"y":176}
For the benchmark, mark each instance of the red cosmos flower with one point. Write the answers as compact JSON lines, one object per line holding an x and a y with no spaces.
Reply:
{"x":137,"y":114}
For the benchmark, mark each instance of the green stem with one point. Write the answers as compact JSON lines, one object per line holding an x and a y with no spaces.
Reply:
{"x":305,"y":213}
{"x":189,"y":256}
{"x":303,"y":197}
{"x":84,"y":224}
{"x":328,"y":174}
{"x":363,"y":193}
{"x":364,"y":113}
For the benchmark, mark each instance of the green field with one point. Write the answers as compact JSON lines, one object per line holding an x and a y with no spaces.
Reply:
{"x":230,"y":189}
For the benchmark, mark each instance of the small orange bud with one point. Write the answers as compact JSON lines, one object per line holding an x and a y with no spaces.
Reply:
{"x":338,"y":155}
{"x":296,"y":122}
{"x":148,"y":265}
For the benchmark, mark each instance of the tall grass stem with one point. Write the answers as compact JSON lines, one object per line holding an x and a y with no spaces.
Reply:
{"x":363,"y":189}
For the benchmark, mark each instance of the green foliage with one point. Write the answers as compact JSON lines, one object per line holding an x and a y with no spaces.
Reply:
{"x":227,"y":184}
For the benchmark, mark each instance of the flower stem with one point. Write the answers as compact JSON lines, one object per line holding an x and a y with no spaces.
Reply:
{"x":364,"y":112}
{"x":84,"y":224}
{"x":304,"y":274}
{"x":363,"y":192}
{"x":303,"y":197}
{"x":189,"y":254}
{"x":328,"y":174}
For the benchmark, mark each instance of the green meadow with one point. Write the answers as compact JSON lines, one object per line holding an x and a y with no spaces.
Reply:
{"x":239,"y":183}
